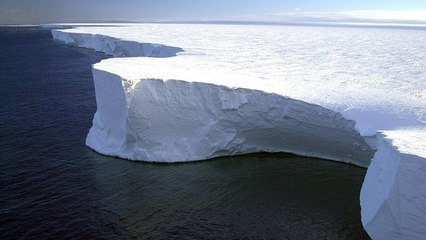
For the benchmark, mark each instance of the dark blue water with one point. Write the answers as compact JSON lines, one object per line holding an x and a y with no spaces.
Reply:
{"x":53,"y":187}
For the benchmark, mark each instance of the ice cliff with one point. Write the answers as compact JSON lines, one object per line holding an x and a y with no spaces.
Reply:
{"x":393,"y":195}
{"x":115,"y":47}
{"x":166,"y":120}
{"x":200,"y":101}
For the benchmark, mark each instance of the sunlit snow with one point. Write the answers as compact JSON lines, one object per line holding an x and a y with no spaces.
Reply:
{"x":376,"y":77}
{"x":345,"y":69}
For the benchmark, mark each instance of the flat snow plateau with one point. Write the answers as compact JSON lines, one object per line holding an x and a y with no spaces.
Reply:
{"x":191,"y":92}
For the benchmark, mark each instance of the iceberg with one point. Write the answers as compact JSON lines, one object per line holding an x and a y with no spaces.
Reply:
{"x":151,"y":116}
{"x":192,"y":92}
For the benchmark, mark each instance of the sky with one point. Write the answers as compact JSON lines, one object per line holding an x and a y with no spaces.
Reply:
{"x":60,"y":11}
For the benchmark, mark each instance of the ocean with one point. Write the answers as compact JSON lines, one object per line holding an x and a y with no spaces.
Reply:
{"x":54,"y":187}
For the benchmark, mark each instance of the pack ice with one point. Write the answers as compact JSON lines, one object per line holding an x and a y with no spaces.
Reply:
{"x":191,"y":92}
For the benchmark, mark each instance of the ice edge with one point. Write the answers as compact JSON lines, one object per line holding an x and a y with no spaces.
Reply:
{"x":388,"y":211}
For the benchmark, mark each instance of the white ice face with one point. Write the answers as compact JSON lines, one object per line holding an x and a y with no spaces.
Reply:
{"x":164,"y":120}
{"x":156,"y":108}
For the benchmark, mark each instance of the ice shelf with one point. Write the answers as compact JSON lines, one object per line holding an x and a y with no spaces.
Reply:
{"x":225,"y":90}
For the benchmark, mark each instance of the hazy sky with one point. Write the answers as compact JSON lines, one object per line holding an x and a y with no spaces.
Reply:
{"x":48,"y":11}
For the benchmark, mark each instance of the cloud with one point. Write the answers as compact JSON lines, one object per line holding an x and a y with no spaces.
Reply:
{"x":415,"y":16}
{"x":408,"y":17}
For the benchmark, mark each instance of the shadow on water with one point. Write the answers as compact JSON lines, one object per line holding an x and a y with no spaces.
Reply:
{"x":53,"y":186}
{"x":274,"y":196}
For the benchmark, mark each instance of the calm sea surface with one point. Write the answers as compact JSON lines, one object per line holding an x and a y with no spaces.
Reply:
{"x":53,"y":187}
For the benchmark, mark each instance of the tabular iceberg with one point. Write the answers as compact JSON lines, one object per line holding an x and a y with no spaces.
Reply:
{"x":166,"y":120}
{"x":204,"y":100}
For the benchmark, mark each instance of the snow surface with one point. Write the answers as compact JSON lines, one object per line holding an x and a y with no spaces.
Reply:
{"x":356,"y":72}
{"x":224,"y":89}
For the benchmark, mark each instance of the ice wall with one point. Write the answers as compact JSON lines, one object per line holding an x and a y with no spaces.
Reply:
{"x":114,"y":46}
{"x":393,"y":194}
{"x":213,"y":110}
{"x":165,"y":120}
